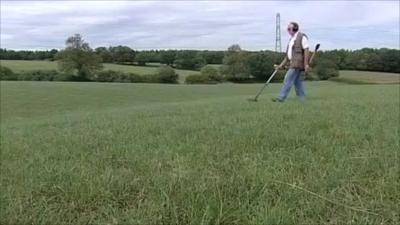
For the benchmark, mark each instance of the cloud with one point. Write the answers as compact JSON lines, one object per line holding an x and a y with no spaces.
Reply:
{"x":197,"y":24}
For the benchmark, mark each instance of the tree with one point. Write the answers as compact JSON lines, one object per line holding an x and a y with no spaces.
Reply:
{"x":234,"y":48}
{"x":374,"y":62}
{"x":105,"y":54}
{"x":142,"y":58}
{"x":213,"y":57}
{"x":236,"y":64}
{"x":391,"y":60}
{"x":189,"y":59}
{"x":78,"y":58}
{"x":261,"y":64}
{"x":154,"y":56}
{"x":27,"y":55}
{"x":122,"y":54}
{"x":167,"y":57}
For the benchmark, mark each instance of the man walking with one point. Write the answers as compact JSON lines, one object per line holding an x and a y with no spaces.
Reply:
{"x":297,"y":55}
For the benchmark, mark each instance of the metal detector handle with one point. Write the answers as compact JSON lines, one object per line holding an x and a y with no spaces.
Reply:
{"x":313,"y":55}
{"x":312,"y":58}
{"x":272,"y":76}
{"x":266,"y":84}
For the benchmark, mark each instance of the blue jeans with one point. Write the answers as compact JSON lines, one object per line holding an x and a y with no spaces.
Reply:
{"x":293,"y":76}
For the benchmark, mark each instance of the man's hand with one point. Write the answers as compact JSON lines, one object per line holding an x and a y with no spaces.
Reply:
{"x":307,"y":68}
{"x":280,"y":66}
{"x":277,"y":67}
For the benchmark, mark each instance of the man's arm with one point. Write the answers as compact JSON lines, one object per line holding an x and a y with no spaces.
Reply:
{"x":306,"y":59}
{"x":283,"y":63}
{"x":305,"y":45}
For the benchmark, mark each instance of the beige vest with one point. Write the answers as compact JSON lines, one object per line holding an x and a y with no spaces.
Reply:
{"x":297,"y":61}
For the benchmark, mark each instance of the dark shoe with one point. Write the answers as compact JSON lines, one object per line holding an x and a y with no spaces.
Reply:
{"x":277,"y":100}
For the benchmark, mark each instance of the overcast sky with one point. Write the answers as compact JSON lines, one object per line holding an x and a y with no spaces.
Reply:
{"x":197,"y":24}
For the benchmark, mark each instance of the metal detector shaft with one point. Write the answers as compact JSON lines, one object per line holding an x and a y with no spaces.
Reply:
{"x":266,"y":84}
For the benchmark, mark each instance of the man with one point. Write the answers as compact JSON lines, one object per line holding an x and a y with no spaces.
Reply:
{"x":297,"y":54}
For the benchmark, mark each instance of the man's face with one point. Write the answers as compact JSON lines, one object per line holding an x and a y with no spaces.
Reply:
{"x":290,"y":30}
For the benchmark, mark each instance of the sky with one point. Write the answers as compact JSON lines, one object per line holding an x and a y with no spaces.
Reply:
{"x":213,"y":25}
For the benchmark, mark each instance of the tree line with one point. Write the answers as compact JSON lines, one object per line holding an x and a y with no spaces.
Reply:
{"x":181,"y":59}
{"x":79,"y":62}
{"x":368,"y":59}
{"x":8,"y":54}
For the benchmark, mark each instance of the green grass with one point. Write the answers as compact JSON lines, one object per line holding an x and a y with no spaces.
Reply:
{"x":27,"y":65}
{"x":365,"y":77}
{"x":96,"y":153}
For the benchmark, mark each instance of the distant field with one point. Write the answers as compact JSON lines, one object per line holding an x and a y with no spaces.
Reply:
{"x":365,"y":77}
{"x":26,"y":65}
{"x":112,"y":153}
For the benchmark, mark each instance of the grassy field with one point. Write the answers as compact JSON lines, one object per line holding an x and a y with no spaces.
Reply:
{"x":26,"y":65}
{"x":365,"y":77}
{"x":108,"y":153}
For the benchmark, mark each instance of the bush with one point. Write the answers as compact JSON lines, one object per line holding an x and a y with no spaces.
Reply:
{"x":35,"y":75}
{"x":212,"y":73}
{"x":38,"y":75}
{"x":7,"y":74}
{"x":115,"y":76}
{"x":106,"y":76}
{"x":311,"y":76}
{"x":208,"y":75}
{"x":135,"y":78}
{"x":331,"y":72}
{"x":123,"y":78}
{"x":326,"y":69}
{"x":64,"y":77}
{"x":166,"y":74}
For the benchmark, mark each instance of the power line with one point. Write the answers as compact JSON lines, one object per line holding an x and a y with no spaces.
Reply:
{"x":278,"y":47}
